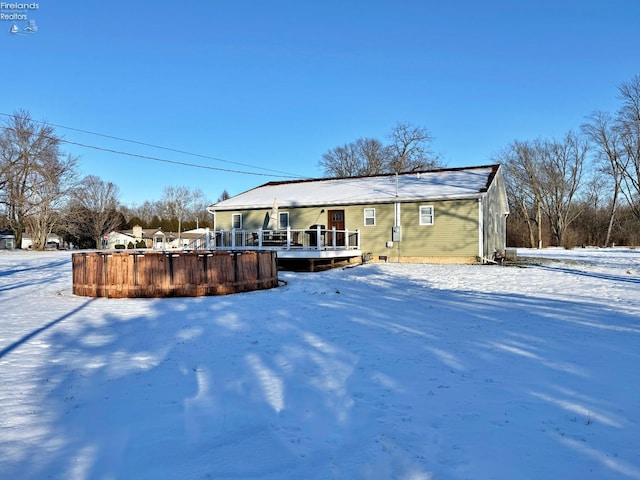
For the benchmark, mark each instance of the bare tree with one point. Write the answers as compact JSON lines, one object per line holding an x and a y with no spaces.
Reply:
{"x":198,"y":206}
{"x":591,"y":226}
{"x":543,"y":179}
{"x":146,"y":212}
{"x":35,"y":178}
{"x":341,"y":162}
{"x":605,"y":138}
{"x":560,"y":180}
{"x":375,"y":155}
{"x":521,"y":163}
{"x":365,"y":156}
{"x":52,"y":181}
{"x":628,"y":128}
{"x":408,"y":152}
{"x":93,"y":210}
{"x":176,"y":201}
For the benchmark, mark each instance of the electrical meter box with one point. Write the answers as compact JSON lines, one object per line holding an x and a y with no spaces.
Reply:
{"x":396,"y":234}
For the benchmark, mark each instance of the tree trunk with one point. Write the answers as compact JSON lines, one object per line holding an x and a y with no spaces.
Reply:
{"x":614,"y":206}
{"x":539,"y":221}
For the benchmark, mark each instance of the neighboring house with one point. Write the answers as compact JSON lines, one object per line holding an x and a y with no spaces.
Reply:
{"x":189,"y":239}
{"x":7,"y":240}
{"x":137,"y":236}
{"x":455,"y":215}
{"x":53,"y":242}
{"x":155,"y":238}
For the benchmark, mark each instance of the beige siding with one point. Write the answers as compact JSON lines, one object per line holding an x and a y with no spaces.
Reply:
{"x":304,"y":217}
{"x":299,"y":218}
{"x":453,"y":234}
{"x":372,"y":238}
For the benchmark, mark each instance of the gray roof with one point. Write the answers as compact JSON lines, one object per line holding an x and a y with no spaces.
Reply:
{"x":432,"y":185}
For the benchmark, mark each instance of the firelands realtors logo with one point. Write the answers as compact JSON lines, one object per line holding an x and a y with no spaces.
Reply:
{"x":19,"y":17}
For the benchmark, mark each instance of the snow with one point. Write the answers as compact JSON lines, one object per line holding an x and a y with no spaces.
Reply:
{"x":453,"y":183}
{"x":381,"y":371}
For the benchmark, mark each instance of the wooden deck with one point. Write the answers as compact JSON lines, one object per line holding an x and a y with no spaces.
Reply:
{"x":291,"y":243}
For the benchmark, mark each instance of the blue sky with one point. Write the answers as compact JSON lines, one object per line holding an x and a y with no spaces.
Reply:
{"x":266,"y":86}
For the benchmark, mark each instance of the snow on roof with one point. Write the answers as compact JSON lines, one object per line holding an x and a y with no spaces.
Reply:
{"x":436,"y":184}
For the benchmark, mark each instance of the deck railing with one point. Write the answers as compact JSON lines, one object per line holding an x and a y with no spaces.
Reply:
{"x":316,"y":238}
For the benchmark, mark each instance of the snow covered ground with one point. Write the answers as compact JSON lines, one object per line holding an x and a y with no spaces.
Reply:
{"x":374,"y":372}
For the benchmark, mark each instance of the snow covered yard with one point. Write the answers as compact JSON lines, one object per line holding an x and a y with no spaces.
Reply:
{"x":374,"y":372}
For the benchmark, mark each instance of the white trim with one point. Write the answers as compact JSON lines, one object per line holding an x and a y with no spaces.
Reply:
{"x":280,"y":224}
{"x":373,"y":217}
{"x":433,"y":215}
{"x":480,"y":229}
{"x":233,"y":221}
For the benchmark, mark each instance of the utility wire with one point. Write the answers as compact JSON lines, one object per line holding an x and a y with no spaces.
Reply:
{"x":281,"y":173}
{"x":175,"y":162}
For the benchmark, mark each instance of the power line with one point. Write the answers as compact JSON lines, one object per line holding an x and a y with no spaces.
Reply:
{"x":183,"y":152}
{"x":175,"y":162}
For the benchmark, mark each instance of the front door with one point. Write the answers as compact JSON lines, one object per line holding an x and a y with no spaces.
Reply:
{"x":336,"y":220}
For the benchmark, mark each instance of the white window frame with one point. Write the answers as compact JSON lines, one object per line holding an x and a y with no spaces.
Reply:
{"x":235,"y":216}
{"x":280,"y":223}
{"x":370,"y":217}
{"x":421,"y":215}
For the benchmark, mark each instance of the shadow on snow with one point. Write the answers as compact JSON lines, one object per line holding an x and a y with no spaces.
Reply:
{"x":334,"y":374}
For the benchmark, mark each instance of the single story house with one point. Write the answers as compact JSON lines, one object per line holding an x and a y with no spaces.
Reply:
{"x":7,"y":240}
{"x":53,"y":241}
{"x":155,"y":238}
{"x":453,"y":215}
{"x":138,"y":237}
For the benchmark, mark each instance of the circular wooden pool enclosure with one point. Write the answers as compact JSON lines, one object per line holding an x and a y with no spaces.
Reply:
{"x":131,"y":274}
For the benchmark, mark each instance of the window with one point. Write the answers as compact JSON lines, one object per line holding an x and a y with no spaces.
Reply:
{"x":236,"y":221}
{"x":283,"y":220}
{"x":426,"y":215}
{"x":369,"y":217}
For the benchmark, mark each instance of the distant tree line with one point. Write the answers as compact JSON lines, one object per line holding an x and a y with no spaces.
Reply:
{"x":179,"y":209}
{"x":41,"y":193}
{"x":582,"y":188}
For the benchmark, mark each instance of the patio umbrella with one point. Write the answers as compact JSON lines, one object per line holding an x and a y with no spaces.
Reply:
{"x":273,"y":216}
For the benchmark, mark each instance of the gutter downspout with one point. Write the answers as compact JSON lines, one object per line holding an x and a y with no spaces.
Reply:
{"x":396,"y":215}
{"x":212,"y":212}
{"x":480,"y":231}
